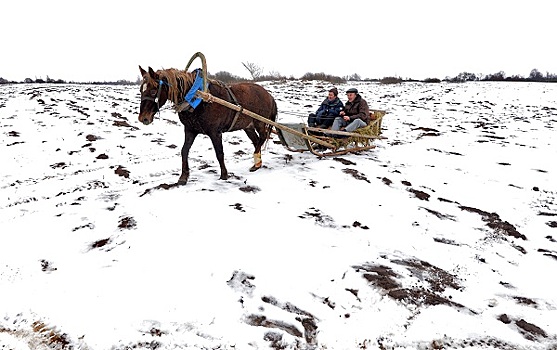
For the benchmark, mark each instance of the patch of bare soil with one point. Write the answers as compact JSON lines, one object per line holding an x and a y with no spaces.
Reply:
{"x":420,"y":194}
{"x":121,"y":171}
{"x":46,"y":266}
{"x":127,"y":222}
{"x":252,"y":189}
{"x":359,"y":224}
{"x":446,"y":241}
{"x":550,"y":253}
{"x":528,"y":330}
{"x":306,"y":319}
{"x":426,"y":132}
{"x":92,"y":138}
{"x":451,"y":343}
{"x":100,"y":243}
{"x":344,"y":161}
{"x":287,"y":158}
{"x":51,"y":336}
{"x":320,"y":218}
{"x":435,"y":281}
{"x":162,"y":186}
{"x":88,"y":225}
{"x":494,"y":221}
{"x":386,"y":181}
{"x":238,"y":207}
{"x":356,"y":174}
{"x":263,"y":321}
{"x":440,"y":215}
{"x":243,"y":282}
{"x":149,"y":345}
{"x":123,"y":123}
{"x":61,"y":165}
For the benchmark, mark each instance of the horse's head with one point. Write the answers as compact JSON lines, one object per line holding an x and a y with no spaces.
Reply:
{"x":154,"y":94}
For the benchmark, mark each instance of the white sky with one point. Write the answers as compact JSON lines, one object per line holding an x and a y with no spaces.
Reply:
{"x":169,"y":278}
{"x":106,"y":40}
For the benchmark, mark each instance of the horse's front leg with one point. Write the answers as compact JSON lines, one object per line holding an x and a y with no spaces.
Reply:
{"x":216,"y":139}
{"x":189,"y":137}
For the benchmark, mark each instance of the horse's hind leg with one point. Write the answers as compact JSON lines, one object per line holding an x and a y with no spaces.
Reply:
{"x":189,"y":137}
{"x":257,"y":143}
{"x":216,"y":139}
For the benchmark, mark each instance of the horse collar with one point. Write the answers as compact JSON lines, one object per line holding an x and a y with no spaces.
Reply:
{"x":191,"y":97}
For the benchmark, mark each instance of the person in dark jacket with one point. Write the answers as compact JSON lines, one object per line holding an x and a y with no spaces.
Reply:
{"x":355,"y":114}
{"x":327,"y":112}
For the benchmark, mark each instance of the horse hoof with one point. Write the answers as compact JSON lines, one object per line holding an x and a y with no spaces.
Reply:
{"x":256,"y":166}
{"x":182,"y":180}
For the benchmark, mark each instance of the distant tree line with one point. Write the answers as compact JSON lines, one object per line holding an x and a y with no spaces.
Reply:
{"x":535,"y":75}
{"x":256,"y":73}
{"x":49,"y":80}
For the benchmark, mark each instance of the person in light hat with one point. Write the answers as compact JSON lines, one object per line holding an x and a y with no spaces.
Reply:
{"x":355,"y":114}
{"x":327,"y":111}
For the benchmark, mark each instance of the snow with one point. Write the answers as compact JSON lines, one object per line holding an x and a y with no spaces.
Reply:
{"x":93,"y":260}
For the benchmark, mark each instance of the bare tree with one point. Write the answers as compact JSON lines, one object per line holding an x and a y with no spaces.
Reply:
{"x":253,"y":69}
{"x":536,"y":75}
{"x":354,"y":77}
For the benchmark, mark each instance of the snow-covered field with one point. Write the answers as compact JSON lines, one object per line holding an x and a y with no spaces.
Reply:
{"x":444,"y":236}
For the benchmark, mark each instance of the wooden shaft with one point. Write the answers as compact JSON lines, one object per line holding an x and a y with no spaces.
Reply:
{"x":210,"y":98}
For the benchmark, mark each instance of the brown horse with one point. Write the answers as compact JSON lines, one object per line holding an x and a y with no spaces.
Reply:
{"x":211,"y":119}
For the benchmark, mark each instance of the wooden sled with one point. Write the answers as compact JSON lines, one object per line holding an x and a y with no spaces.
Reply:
{"x":339,"y":142}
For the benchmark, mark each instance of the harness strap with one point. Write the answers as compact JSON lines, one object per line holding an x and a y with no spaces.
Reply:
{"x":237,"y":115}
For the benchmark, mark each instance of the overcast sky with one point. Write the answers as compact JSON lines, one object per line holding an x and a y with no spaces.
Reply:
{"x":106,"y":40}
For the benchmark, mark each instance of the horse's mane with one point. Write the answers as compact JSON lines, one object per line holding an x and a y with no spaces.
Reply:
{"x":179,"y":81}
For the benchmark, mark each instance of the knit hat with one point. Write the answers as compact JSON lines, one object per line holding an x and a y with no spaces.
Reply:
{"x":354,"y":90}
{"x":334,"y":91}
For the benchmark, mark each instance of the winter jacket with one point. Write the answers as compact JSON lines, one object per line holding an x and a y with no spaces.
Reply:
{"x":357,"y":109}
{"x":329,"y":109}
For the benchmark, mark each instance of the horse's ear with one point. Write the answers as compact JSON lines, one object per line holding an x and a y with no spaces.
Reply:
{"x":153,"y":74}
{"x":143,"y":72}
